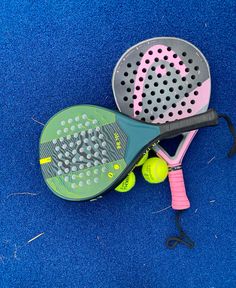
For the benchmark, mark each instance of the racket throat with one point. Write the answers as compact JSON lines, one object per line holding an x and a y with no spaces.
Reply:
{"x":148,"y":135}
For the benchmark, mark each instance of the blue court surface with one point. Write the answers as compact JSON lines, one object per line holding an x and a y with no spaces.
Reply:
{"x":55,"y":54}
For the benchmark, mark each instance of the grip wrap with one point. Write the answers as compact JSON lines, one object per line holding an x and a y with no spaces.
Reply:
{"x":172,"y":129}
{"x":179,"y":197}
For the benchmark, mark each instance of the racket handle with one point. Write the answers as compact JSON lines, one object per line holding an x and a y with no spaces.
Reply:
{"x":172,"y":129}
{"x":179,"y":197}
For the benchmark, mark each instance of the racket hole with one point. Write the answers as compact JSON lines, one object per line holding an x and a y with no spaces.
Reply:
{"x":165,"y":82}
{"x":170,"y":114}
{"x":128,"y":89}
{"x":155,"y":109}
{"x":161,"y":116}
{"x":192,"y":102}
{"x":137,"y":112}
{"x":164,"y":107}
{"x":150,"y":52}
{"x":158,"y":100}
{"x":181,"y":62}
{"x":180,"y":112}
{"x":149,"y":102}
{"x":168,"y":73}
{"x":175,"y":56}
{"x":180,"y":87}
{"x":174,"y":80}
{"x":193,"y":77}
{"x":137,"y":87}
{"x":134,"y":96}
{"x":199,"y":84}
{"x":146,"y":86}
{"x":172,"y":64}
{"x":152,"y":117}
{"x":159,"y":75}
{"x":195,"y":93}
{"x":140,"y":79}
{"x":189,"y":110}
{"x":190,"y":85}
{"x":150,"y":77}
{"x":126,"y":74}
{"x":183,"y":103}
{"x":146,"y":110}
{"x":153,"y":93}
{"x":186,"y":95}
{"x":147,"y":61}
{"x":196,"y":68}
{"x":135,"y":72}
{"x":156,"y":59}
{"x":190,"y":61}
{"x":122,"y":83}
{"x":155,"y":84}
{"x":140,"y":103}
{"x":144,"y":70}
{"x":162,"y":91}
{"x":162,"y":66}
{"x":168,"y":48}
{"x":187,"y":69}
{"x":171,"y":89}
{"x":174,"y":105}
{"x":153,"y":68}
{"x":159,"y":50}
{"x":184,"y":54}
{"x":129,"y":65}
{"x":141,"y":54}
{"x":143,"y":119}
{"x":177,"y":71}
{"x":131,"y":105}
{"x":143,"y":95}
{"x":131,"y":81}
{"x":125,"y":98}
{"x":165,"y":57}
{"x":177,"y":96}
{"x":168,"y":98}
{"x":138,"y":63}
{"x":183,"y":78}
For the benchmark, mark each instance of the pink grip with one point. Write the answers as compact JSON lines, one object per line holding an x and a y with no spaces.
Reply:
{"x":179,"y":197}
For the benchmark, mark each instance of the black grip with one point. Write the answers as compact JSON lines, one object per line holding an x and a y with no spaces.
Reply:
{"x":172,"y":129}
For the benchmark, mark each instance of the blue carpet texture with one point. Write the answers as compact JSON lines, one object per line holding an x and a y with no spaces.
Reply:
{"x":54,"y":54}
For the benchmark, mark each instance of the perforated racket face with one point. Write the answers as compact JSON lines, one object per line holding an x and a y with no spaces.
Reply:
{"x":79,"y":155}
{"x":160,"y":80}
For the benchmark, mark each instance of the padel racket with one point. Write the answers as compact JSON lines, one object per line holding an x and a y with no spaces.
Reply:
{"x":161,"y":80}
{"x":86,"y":150}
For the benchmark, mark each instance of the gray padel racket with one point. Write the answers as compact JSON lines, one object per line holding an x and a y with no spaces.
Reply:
{"x":161,"y":80}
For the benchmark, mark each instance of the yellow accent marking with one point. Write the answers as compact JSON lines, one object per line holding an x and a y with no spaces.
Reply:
{"x":45,"y":160}
{"x":110,"y":174}
{"x":117,"y":139}
{"x":116,"y":166}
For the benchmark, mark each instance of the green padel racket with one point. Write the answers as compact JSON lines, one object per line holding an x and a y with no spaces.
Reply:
{"x":86,"y":150}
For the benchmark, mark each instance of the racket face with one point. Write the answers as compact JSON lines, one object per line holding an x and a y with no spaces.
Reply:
{"x":161,"y":80}
{"x":85,"y":150}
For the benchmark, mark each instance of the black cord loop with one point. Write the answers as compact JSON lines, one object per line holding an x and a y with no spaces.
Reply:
{"x":183,"y":238}
{"x":232,"y":130}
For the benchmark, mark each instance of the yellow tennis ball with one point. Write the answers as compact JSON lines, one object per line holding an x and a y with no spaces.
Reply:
{"x":155,"y":170}
{"x":142,"y":160}
{"x":127,"y":184}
